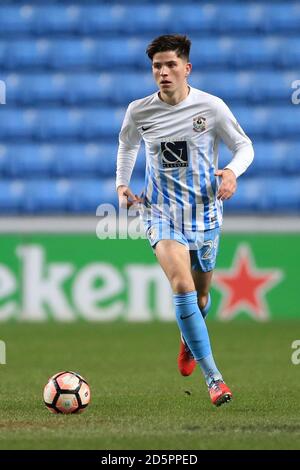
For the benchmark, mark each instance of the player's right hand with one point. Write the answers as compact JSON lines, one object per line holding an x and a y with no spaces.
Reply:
{"x":126,"y":197}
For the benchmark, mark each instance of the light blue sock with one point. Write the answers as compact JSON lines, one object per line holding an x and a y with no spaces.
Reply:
{"x":194,"y":331}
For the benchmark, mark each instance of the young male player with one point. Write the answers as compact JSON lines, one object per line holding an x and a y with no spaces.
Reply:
{"x":184,"y":189}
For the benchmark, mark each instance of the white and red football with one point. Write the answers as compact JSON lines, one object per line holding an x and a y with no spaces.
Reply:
{"x":67,"y":392}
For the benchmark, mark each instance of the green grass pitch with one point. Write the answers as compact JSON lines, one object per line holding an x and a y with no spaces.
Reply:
{"x":139,"y":400}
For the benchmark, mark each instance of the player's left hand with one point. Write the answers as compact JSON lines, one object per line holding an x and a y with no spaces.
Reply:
{"x":228,"y":185}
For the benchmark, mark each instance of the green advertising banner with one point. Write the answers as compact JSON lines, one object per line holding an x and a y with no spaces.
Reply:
{"x":70,"y":277}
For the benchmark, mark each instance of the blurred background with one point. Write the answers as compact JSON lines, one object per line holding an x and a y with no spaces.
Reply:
{"x":70,"y":69}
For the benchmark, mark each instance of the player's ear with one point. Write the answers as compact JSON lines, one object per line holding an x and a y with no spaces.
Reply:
{"x":188,"y":69}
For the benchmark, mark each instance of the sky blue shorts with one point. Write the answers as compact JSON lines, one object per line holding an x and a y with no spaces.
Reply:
{"x":203,"y":246}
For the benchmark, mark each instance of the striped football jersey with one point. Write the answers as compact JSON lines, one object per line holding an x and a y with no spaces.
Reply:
{"x":181,"y":144}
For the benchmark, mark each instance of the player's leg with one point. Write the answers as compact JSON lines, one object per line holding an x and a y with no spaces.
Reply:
{"x":203,"y":262}
{"x":185,"y":360}
{"x":175,"y":260}
{"x":202,"y":281}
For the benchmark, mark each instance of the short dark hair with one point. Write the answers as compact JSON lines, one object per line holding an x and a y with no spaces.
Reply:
{"x":170,"y":42}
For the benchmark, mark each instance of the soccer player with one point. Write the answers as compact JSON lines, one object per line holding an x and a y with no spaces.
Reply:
{"x":184,"y":191}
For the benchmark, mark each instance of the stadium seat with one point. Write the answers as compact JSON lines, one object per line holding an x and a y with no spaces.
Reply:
{"x":81,"y":124}
{"x":56,"y":19}
{"x":275,"y":122}
{"x":87,"y":195}
{"x":30,"y":161}
{"x":4,"y":159}
{"x":78,"y":54}
{"x":16,"y":19}
{"x":77,"y":88}
{"x":283,"y":194}
{"x":26,"y":54}
{"x":86,"y":160}
{"x":70,"y":70}
{"x":239,"y":18}
{"x":246,"y":198}
{"x":281,"y":18}
{"x":288,"y":55}
{"x":46,"y":196}
{"x":12,"y":196}
{"x":128,"y":18}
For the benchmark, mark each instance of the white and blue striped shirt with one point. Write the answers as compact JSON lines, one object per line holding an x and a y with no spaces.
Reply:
{"x":181,"y":144}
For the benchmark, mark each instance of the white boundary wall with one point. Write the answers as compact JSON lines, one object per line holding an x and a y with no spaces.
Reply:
{"x":67,"y":224}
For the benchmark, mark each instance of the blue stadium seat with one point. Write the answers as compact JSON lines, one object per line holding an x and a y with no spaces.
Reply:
{"x":55,"y":19}
{"x":283,"y":194}
{"x":239,"y":18}
{"x":4,"y":160}
{"x":279,"y":122}
{"x":17,"y":124}
{"x":104,"y":123}
{"x":74,"y":54}
{"x":29,"y":89}
{"x":26,"y":54}
{"x":46,"y":196}
{"x":276,"y":158}
{"x":67,"y":54}
{"x":250,"y":197}
{"x":268,"y":194}
{"x":77,"y":88}
{"x":288,"y":54}
{"x":16,"y":19}
{"x":30,"y":161}
{"x":280,"y":18}
{"x":88,"y":194}
{"x":11,"y":196}
{"x":122,"y":53}
{"x":101,"y":19}
{"x":270,"y":87}
{"x":271,"y":158}
{"x":86,"y":160}
{"x":65,"y":160}
{"x":134,"y":19}
{"x":43,"y":125}
{"x":71,"y":69}
{"x":227,"y":52}
{"x":134,"y":86}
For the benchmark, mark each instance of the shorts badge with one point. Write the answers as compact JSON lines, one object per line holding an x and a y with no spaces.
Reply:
{"x":152,"y":233}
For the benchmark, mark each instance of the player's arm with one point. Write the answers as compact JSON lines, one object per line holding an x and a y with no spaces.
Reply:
{"x":229,"y":130}
{"x":129,"y":144}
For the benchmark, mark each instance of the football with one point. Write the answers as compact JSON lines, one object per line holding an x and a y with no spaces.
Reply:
{"x":66,"y":392}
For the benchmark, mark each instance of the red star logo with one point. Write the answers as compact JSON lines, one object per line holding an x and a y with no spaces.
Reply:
{"x":244,"y":286}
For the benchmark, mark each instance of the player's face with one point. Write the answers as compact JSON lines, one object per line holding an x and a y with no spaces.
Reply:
{"x":170,"y":72}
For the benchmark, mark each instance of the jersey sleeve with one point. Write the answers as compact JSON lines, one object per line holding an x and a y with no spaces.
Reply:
{"x":231,"y":133}
{"x":129,"y":144}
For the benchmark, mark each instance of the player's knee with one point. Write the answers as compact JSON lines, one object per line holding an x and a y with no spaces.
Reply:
{"x":181,"y":286}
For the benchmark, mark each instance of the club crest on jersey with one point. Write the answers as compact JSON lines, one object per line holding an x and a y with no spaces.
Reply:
{"x":199,"y":124}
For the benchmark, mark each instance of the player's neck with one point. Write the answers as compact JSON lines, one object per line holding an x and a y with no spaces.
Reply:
{"x":176,"y":97}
